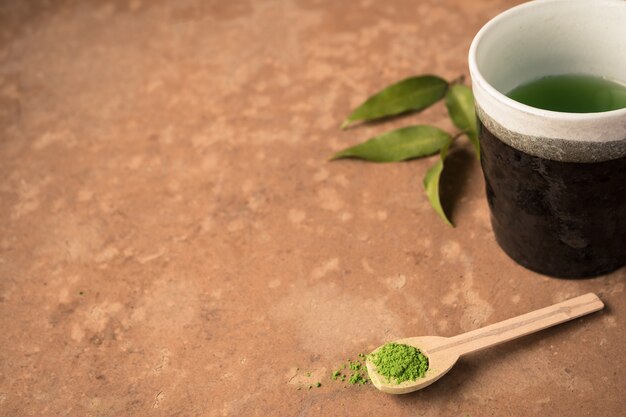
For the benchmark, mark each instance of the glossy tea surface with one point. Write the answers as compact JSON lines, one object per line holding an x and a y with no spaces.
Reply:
{"x":571,"y":94}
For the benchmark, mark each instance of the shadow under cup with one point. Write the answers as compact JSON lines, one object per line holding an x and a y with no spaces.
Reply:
{"x":556,"y":182}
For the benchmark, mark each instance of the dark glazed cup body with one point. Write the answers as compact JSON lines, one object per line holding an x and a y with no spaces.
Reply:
{"x":563,"y":219}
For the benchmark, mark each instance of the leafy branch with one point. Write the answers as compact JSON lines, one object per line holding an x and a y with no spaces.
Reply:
{"x":412,"y":95}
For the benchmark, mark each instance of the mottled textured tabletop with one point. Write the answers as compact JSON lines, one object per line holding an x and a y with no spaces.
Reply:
{"x":174,"y":241}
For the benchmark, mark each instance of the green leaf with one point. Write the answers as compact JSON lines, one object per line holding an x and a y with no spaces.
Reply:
{"x":399,"y":145}
{"x":431,"y":184}
{"x":415,"y":93}
{"x":460,"y":104}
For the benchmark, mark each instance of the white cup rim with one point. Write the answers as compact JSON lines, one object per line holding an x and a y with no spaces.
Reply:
{"x":478,"y":78}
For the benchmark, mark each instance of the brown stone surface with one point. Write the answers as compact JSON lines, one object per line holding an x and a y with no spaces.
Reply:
{"x":174,"y":242}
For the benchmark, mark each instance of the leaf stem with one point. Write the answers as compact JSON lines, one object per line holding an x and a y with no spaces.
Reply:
{"x":458,"y":80}
{"x":458,"y":135}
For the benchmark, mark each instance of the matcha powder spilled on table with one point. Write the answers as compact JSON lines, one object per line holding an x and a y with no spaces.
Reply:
{"x":399,"y":363}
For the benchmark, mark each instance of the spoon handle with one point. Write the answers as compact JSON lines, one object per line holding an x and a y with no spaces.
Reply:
{"x":522,"y":325}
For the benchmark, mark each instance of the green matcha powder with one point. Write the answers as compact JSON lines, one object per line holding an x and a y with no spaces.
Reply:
{"x":399,"y":363}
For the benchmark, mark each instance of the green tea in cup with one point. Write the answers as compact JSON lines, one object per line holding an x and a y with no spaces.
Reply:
{"x":571,"y":93}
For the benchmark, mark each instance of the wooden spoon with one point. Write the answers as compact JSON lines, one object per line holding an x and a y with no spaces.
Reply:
{"x":443,"y":352}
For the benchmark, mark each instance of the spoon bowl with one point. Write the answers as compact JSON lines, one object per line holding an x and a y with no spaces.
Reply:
{"x":444,"y":352}
{"x":438,"y":365}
